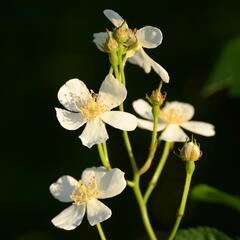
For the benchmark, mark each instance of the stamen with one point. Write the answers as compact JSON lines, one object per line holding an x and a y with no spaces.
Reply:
{"x":83,"y":192}
{"x":172,"y":115}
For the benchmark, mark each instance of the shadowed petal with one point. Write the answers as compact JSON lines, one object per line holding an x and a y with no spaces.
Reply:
{"x":202,"y":128}
{"x":148,"y":125}
{"x":114,"y":17}
{"x":112,"y":93}
{"x":97,"y":212}
{"x":149,"y":37}
{"x":143,"y":108}
{"x":63,"y":188}
{"x":99,"y":39}
{"x":72,"y":94}
{"x":94,"y":133}
{"x":70,"y":217}
{"x":70,"y":120}
{"x":121,"y":120}
{"x":173,"y":133}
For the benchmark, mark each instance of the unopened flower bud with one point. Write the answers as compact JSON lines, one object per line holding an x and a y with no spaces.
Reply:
{"x":157,"y":98}
{"x":132,"y":40}
{"x":121,"y":33}
{"x":111,"y":44}
{"x":190,"y":152}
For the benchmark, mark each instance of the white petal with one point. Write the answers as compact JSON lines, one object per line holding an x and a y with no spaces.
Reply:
{"x":202,"y":128}
{"x":149,"y":37}
{"x":156,"y":67}
{"x":72,"y":94}
{"x":94,"y":133}
{"x":63,"y":188}
{"x":97,"y":212}
{"x":173,"y":133}
{"x":114,"y":17}
{"x":110,"y":182}
{"x":99,"y":39}
{"x":184,"y":109}
{"x":120,"y":120}
{"x":112,"y":92}
{"x":143,"y":108}
{"x":148,"y":125}
{"x":70,"y":217}
{"x":70,"y":120}
{"x":140,"y":59}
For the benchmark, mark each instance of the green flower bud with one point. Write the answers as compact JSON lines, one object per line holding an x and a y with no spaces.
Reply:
{"x":121,"y":34}
{"x":157,"y":98}
{"x":190,"y":152}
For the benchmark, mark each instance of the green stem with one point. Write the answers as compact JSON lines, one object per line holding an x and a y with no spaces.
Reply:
{"x":110,"y":70}
{"x":100,"y":231}
{"x":104,"y":144}
{"x":190,"y":167}
{"x":143,"y":208}
{"x":104,"y":159}
{"x":158,"y":171}
{"x":153,"y":145}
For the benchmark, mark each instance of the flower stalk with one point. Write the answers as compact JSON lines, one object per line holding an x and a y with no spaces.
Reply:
{"x":190,"y":167}
{"x":100,"y":231}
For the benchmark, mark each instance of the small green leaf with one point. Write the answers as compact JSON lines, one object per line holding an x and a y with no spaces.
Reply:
{"x":205,"y":193}
{"x":226,"y":73}
{"x":201,"y":233}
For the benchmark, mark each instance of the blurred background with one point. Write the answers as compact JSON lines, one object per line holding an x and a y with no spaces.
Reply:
{"x":46,"y":43}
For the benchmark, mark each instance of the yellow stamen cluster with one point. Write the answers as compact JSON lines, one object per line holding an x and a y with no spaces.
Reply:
{"x":93,"y":108}
{"x":172,"y":115}
{"x":84,"y":192}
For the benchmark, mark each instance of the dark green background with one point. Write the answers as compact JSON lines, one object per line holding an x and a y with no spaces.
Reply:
{"x":44,"y":44}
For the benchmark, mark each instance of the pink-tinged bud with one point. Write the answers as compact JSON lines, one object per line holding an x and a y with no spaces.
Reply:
{"x":111,"y":44}
{"x":190,"y":152}
{"x":157,"y":98}
{"x":121,"y":34}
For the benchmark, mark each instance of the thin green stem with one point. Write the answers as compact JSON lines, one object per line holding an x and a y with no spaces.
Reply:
{"x":104,"y":144}
{"x":153,"y":145}
{"x":104,"y":159}
{"x":110,"y":70}
{"x":190,"y":166}
{"x":143,"y":208}
{"x":100,"y":231}
{"x":158,"y":171}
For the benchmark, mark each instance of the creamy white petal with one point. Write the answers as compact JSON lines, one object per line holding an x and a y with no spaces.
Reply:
{"x":114,"y":17}
{"x":70,"y":120}
{"x":95,"y":132}
{"x":63,"y":188}
{"x":140,"y":59}
{"x":186,"y":110}
{"x":97,"y":212}
{"x":148,"y":125}
{"x":112,"y":93}
{"x":173,"y":133}
{"x":94,"y":172}
{"x":143,"y":108}
{"x":202,"y":128}
{"x":156,"y":67}
{"x":99,"y":39}
{"x":149,"y":37}
{"x":120,"y":120}
{"x":72,"y":94}
{"x":111,"y":184}
{"x":70,"y":217}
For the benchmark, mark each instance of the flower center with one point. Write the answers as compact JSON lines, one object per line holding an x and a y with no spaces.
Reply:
{"x":172,"y":115}
{"x":93,"y":108}
{"x":83,"y":192}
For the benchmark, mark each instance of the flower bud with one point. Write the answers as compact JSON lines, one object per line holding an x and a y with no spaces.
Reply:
{"x":157,"y":98}
{"x":132,"y":40}
{"x":190,"y":152}
{"x":111,"y":44}
{"x":121,"y":34}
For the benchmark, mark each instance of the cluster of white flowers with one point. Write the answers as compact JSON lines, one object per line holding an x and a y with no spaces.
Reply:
{"x":95,"y":110}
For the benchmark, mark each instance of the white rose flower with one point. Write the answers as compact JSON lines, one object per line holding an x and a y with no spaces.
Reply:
{"x":93,"y":109}
{"x":147,"y":37}
{"x":96,"y":183}
{"x":172,"y":117}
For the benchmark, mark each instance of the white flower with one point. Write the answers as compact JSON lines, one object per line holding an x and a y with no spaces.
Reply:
{"x":172,"y":116}
{"x":96,"y":183}
{"x":147,"y":37}
{"x":93,"y":109}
